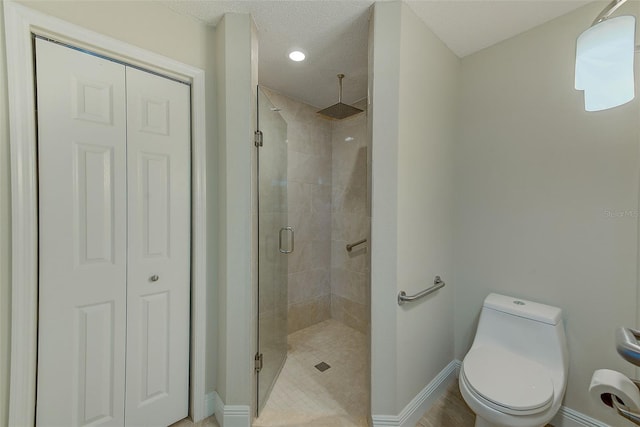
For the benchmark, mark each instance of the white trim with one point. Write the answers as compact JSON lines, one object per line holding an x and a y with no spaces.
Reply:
{"x":567,"y":417}
{"x":231,"y":415}
{"x":218,"y":406}
{"x":409,"y":416}
{"x":420,"y":404}
{"x":210,"y":402}
{"x":20,"y":23}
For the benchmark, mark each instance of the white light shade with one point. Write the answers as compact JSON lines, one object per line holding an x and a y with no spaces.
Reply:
{"x":604,"y":63}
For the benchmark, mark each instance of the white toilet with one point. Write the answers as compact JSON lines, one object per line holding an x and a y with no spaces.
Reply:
{"x":515,"y":373}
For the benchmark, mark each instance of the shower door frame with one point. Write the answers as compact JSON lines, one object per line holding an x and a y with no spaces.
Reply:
{"x":259,"y":144}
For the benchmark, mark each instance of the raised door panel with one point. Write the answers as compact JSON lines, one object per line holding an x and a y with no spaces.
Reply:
{"x":82,"y":238}
{"x":158,"y":138}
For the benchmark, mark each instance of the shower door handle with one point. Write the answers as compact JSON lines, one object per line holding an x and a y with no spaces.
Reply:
{"x":281,"y":249}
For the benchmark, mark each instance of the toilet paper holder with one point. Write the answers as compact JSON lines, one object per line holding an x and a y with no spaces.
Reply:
{"x":622,"y":410}
{"x":628,"y":348}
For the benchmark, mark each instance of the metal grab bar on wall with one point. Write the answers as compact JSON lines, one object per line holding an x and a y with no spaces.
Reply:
{"x":437,"y":284}
{"x":628,"y":347}
{"x":350,"y":246}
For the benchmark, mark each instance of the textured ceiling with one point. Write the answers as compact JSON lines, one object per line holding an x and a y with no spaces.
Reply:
{"x":334,"y":35}
{"x":469,"y":26}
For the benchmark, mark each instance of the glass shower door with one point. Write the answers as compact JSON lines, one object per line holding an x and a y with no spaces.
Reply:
{"x":275,"y":241}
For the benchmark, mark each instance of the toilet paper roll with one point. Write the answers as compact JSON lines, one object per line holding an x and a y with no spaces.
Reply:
{"x":605,"y":384}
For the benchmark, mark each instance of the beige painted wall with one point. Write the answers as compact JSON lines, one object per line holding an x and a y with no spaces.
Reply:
{"x":425,"y":188}
{"x":5,"y":234}
{"x":546,"y":196}
{"x":384,"y":42}
{"x":143,"y":24}
{"x":236,"y":54}
{"x":412,"y":147}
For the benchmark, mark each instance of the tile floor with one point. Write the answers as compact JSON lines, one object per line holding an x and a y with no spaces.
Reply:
{"x":207,"y":422}
{"x":304,"y":396}
{"x":449,"y":411}
{"x":338,"y":397}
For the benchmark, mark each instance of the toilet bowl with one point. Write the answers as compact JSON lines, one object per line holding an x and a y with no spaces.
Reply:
{"x":515,"y":373}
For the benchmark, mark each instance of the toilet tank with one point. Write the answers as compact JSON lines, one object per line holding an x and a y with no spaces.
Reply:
{"x":533,"y":330}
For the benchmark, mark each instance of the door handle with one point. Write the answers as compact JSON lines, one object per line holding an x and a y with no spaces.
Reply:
{"x":281,"y":249}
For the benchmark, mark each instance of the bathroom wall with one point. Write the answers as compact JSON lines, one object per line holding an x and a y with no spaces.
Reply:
{"x":412,"y":219}
{"x":309,"y":202}
{"x":142,"y":24}
{"x":350,"y":291}
{"x":546,"y":196}
{"x":5,"y":234}
{"x":236,"y":70}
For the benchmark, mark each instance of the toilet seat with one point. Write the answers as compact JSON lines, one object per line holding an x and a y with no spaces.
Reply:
{"x":506,"y":381}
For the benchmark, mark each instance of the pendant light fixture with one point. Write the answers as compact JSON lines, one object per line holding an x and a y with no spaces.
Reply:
{"x":604,"y":60}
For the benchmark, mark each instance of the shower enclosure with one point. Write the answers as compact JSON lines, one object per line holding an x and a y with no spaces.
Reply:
{"x":275,"y":243}
{"x":313,"y":302}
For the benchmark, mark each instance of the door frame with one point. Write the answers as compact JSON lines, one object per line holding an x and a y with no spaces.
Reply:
{"x":20,"y":23}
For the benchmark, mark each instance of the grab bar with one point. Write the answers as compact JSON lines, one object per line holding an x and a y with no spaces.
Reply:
{"x":350,"y":246}
{"x":437,"y":284}
{"x":627,"y":345}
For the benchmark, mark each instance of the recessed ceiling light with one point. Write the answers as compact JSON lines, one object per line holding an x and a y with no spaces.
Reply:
{"x":297,"y":56}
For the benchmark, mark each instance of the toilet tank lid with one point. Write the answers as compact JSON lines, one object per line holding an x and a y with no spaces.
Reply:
{"x":523,"y":308}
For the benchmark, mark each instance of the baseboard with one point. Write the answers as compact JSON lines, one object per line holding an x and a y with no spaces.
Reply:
{"x":210,"y":403}
{"x":228,"y":415}
{"x":420,"y":404}
{"x":567,"y":417}
{"x":409,"y":416}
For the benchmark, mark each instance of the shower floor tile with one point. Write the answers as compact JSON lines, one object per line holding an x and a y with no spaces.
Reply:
{"x":304,"y":396}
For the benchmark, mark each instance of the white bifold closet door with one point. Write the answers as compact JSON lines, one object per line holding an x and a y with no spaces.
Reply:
{"x":114,"y":242}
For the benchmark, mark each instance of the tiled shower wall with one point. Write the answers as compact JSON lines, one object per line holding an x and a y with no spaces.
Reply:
{"x":350,"y":223}
{"x":327,"y":207}
{"x":309,"y":203}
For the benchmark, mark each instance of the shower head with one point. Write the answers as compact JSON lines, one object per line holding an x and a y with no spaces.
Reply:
{"x":340,"y":110}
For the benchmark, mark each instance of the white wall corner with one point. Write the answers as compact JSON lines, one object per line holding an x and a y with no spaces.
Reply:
{"x":228,"y":415}
{"x":420,"y":404}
